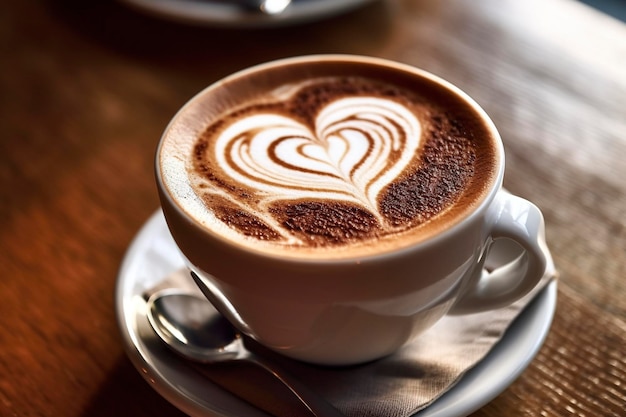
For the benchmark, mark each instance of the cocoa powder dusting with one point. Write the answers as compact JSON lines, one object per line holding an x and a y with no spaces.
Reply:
{"x":446,"y":170}
{"x":326,"y":224}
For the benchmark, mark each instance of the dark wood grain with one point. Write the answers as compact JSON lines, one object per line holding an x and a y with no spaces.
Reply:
{"x":86,"y":88}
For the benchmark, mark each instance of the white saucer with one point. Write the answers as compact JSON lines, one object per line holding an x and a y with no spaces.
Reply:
{"x":227,"y":13}
{"x":153,"y":255}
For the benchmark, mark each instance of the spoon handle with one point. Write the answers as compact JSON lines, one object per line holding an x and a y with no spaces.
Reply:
{"x":307,"y":399}
{"x":259,"y":384}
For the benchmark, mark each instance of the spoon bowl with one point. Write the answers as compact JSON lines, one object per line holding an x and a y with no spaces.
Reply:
{"x":191,"y":327}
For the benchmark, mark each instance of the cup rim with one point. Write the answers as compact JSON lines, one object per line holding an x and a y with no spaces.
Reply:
{"x":485,"y":200}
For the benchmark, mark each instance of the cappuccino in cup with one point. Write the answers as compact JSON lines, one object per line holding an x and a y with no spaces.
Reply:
{"x":336,"y":206}
{"x":340,"y":160}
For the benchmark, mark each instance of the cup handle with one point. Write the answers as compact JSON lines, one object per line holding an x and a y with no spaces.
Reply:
{"x":509,"y":217}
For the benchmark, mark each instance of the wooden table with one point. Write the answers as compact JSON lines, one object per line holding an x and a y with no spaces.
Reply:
{"x":86,"y":88}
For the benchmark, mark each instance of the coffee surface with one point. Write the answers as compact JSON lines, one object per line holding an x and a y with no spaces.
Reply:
{"x":339,"y":166}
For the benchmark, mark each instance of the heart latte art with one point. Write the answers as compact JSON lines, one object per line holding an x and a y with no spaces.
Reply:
{"x":328,"y":164}
{"x":357,"y":146}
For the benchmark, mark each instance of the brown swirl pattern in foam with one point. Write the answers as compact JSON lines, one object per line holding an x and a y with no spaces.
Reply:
{"x":338,"y":161}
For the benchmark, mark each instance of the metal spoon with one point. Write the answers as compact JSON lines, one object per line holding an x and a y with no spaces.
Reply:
{"x":191,"y":327}
{"x":269,"y":7}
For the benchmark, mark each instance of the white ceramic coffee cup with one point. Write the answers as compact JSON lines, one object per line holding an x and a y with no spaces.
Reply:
{"x":352,"y":310}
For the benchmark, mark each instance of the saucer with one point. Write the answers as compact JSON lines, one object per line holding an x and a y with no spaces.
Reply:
{"x":153,"y":255}
{"x":228,"y":13}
